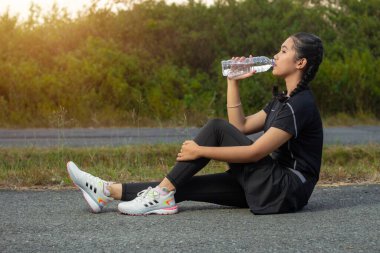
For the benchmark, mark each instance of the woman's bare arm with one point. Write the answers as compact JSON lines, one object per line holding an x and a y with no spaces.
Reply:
{"x":266,"y":144}
{"x":236,"y":113}
{"x":247,"y":125}
{"x":255,"y":122}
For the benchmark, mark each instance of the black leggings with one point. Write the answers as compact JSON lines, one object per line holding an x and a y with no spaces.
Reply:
{"x":218,"y":188}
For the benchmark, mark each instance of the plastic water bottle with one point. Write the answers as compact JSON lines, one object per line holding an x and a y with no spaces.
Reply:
{"x":233,"y":68}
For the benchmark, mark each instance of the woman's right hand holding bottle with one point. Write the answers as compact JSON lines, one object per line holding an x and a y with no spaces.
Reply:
{"x":235,"y":67}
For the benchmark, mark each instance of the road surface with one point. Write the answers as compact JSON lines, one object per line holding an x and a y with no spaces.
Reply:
{"x":89,"y":137}
{"x":337,"y":219}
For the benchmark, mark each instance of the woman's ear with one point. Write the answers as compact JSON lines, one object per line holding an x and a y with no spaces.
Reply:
{"x":301,"y":63}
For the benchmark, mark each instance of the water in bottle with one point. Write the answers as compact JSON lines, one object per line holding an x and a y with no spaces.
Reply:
{"x":233,"y":68}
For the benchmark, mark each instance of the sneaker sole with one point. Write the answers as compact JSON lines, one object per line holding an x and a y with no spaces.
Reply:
{"x":94,"y":207}
{"x":163,"y":211}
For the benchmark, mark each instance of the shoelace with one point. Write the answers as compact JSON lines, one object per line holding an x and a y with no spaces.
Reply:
{"x":144,"y":193}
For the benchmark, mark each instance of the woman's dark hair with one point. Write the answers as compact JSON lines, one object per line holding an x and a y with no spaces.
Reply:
{"x":307,"y":46}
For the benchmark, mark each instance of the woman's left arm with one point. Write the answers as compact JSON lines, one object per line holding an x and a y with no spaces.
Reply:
{"x":263,"y":146}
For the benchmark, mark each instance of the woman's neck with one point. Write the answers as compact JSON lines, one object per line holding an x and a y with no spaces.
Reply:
{"x":292,"y":82}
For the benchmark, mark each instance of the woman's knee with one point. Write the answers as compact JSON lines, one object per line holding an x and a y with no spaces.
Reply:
{"x":217,"y":122}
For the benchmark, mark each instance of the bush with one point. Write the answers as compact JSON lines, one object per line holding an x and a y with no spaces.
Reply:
{"x":160,"y":64}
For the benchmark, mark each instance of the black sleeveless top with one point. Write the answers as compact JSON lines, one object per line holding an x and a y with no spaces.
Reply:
{"x":299,"y":116}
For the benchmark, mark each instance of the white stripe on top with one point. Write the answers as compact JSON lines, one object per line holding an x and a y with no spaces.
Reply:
{"x":294,"y":118}
{"x":296,"y":130}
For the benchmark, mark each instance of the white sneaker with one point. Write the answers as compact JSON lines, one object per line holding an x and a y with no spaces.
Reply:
{"x":91,"y":187}
{"x":150,"y":201}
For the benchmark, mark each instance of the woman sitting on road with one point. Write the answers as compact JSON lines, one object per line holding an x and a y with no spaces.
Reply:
{"x":276,"y":173}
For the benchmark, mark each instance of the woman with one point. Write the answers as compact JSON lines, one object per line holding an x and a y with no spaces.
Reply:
{"x":275,"y":174}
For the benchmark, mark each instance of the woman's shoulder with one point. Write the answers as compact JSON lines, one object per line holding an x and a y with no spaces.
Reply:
{"x":302,"y":102}
{"x":304,"y":109}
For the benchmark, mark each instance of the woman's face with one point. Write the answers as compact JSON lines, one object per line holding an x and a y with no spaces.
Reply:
{"x":285,"y":59}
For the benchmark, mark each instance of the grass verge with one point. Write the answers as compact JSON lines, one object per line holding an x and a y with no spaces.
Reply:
{"x":46,"y":167}
{"x":344,"y":119}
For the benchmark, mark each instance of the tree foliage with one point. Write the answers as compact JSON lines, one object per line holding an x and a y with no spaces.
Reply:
{"x":159,"y":64}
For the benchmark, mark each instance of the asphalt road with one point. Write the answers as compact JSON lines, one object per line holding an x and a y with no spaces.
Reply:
{"x":88,"y":137}
{"x":337,"y":219}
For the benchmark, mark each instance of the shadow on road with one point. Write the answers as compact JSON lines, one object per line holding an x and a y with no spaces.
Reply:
{"x":322,"y":199}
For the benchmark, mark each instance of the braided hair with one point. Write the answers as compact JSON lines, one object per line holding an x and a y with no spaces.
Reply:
{"x":279,"y":96}
{"x":307,"y":46}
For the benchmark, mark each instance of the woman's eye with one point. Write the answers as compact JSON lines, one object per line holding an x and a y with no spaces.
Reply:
{"x":283,"y":51}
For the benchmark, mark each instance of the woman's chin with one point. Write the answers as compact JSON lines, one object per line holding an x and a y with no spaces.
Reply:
{"x":275,"y":73}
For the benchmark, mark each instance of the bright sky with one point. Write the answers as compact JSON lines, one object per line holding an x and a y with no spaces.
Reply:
{"x":21,"y":7}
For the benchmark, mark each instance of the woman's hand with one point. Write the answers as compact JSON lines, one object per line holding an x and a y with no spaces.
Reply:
{"x":189,"y":151}
{"x":240,"y":77}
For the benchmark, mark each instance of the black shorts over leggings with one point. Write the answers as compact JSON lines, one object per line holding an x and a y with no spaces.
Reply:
{"x":263,"y":186}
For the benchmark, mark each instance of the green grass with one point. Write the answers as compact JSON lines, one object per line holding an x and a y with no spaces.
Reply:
{"x":46,"y":167}
{"x":344,"y":119}
{"x":351,"y":164}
